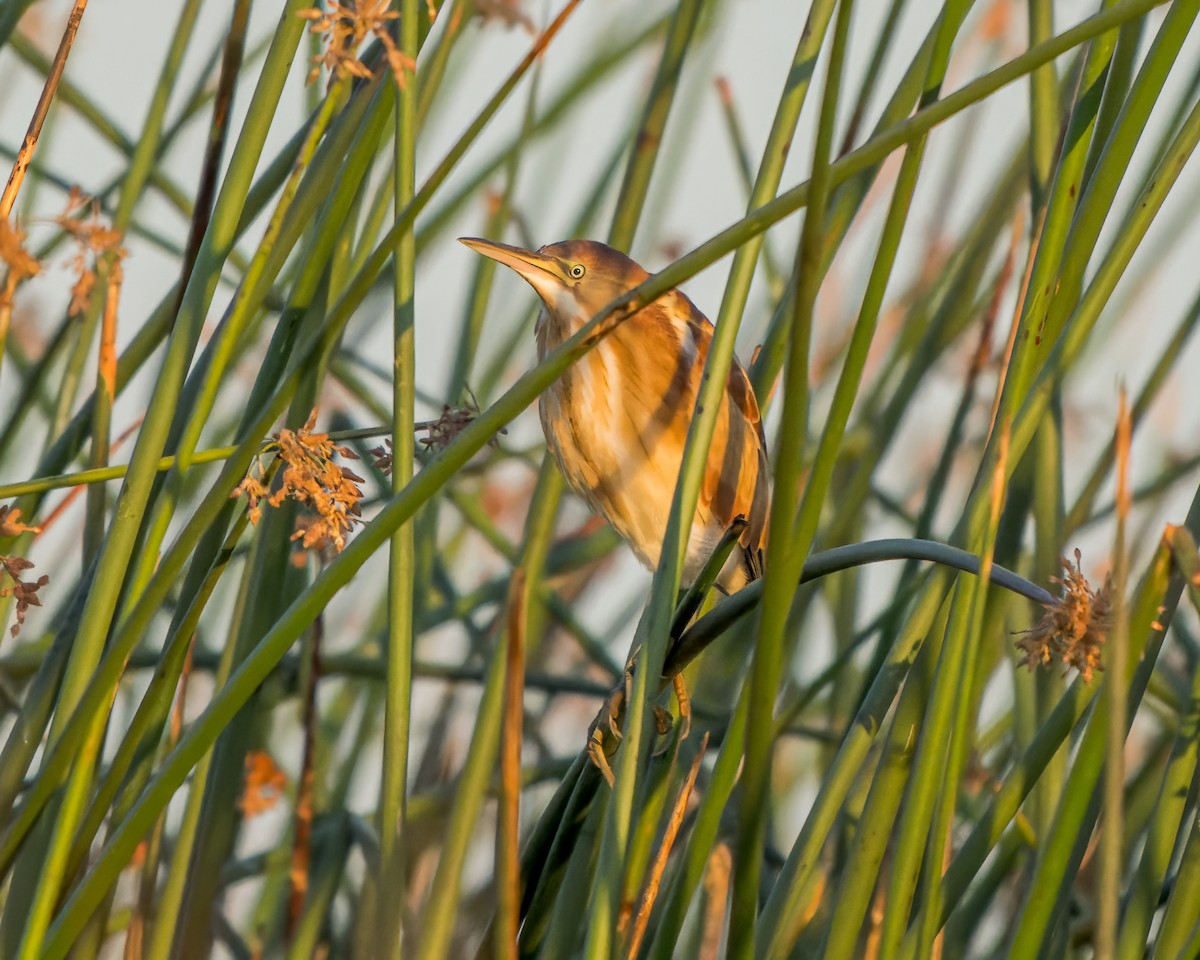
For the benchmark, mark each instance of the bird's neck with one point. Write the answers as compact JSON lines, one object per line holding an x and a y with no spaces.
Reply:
{"x":555,"y":327}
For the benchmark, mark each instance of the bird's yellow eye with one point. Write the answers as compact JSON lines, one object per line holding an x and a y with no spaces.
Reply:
{"x":577,"y":271}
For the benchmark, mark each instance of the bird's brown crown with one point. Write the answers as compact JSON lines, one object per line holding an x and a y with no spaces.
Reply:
{"x":600,"y":261}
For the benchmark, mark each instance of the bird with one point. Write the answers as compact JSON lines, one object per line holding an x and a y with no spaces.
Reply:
{"x":617,"y":420}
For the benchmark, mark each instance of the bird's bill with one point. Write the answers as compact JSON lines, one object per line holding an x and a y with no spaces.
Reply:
{"x":543,"y":273}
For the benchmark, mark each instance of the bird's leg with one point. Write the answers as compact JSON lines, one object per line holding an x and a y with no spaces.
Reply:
{"x":662,"y":716}
{"x":596,"y":753}
{"x":690,"y":600}
{"x":604,"y":735}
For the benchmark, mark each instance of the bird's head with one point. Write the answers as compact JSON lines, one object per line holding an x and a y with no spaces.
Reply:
{"x":576,"y":279}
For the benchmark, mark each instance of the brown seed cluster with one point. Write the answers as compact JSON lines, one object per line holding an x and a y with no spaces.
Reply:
{"x":439,"y":433}
{"x":310,"y":477}
{"x":25,"y":592}
{"x":264,"y":784}
{"x":509,"y":12}
{"x":345,"y":26}
{"x":1074,"y":628}
{"x":94,"y":238}
{"x":20,"y":262}
{"x":383,"y":458}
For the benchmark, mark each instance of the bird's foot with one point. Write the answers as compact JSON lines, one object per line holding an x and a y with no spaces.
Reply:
{"x":596,"y":754}
{"x":663,"y":721}
{"x":605,"y":736}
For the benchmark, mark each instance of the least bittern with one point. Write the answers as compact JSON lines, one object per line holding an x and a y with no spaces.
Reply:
{"x":617,"y":420}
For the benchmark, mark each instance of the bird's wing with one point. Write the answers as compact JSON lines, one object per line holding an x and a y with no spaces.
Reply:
{"x":738,"y":386}
{"x":737,"y":481}
{"x":741,"y":392}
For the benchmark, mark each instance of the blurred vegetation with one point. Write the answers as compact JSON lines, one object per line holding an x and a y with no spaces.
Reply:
{"x":304,"y":661}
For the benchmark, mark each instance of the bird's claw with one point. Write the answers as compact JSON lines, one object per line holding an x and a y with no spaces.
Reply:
{"x":595,"y":751}
{"x":685,"y":706}
{"x":605,"y":735}
{"x":663,"y":721}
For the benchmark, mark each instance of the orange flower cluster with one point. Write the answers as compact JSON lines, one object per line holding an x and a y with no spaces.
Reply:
{"x":94,"y":238}
{"x":509,"y":12}
{"x":20,"y":262}
{"x":1074,"y":628}
{"x":24,"y":591}
{"x":312,"y":479}
{"x":265,"y":784}
{"x":345,"y":26}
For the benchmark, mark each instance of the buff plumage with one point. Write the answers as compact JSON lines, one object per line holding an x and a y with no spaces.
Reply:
{"x":618,"y":419}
